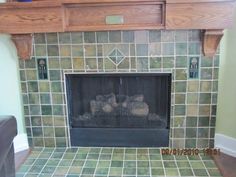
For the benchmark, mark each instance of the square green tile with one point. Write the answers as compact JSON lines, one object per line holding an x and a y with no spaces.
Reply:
{"x":200,"y":172}
{"x":154,"y":36}
{"x":74,"y":170}
{"x":55,"y":75}
{"x":54,"y":63}
{"x":102,"y":171}
{"x":53,"y":50}
{"x":45,"y":98}
{"x":66,"y":63}
{"x":167,"y":48}
{"x":90,"y":51}
{"x":169,"y":164}
{"x":206,"y":61}
{"x":35,"y":110}
{"x":56,"y":86}
{"x":116,"y":163}
{"x":77,"y":51}
{"x":39,"y":38}
{"x":32,"y":86}
{"x":33,"y":98}
{"x":191,"y":132}
{"x":181,"y":62}
{"x":142,"y":49}
{"x":128,"y":36}
{"x":89,"y":37}
{"x":129,"y":171}
{"x":155,"y":62}
{"x":181,"y":74}
{"x":190,"y":143}
{"x":102,"y":37}
{"x":193,"y":48}
{"x":30,"y":63}
{"x":36,"y":121}
{"x":65,"y":50}
{"x":171,"y":172}
{"x":48,"y":132}
{"x":192,"y":98}
{"x":142,"y":63}
{"x":91,"y":63}
{"x":180,"y":86}
{"x":61,"y":142}
{"x":168,"y":62}
{"x":114,"y":36}
{"x":40,"y":50}
{"x":115,"y":171}
{"x":141,"y":164}
{"x":60,"y":132}
{"x":143,"y":171}
{"x":64,"y":38}
{"x":77,"y":37}
{"x":214,"y":172}
{"x":90,"y":164}
{"x":197,"y":164}
{"x":52,"y":38}
{"x":186,"y":172}
{"x":46,"y":110}
{"x":181,"y":48}
{"x":180,"y":110}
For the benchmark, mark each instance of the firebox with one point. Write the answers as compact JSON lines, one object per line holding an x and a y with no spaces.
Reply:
{"x":131,"y":109}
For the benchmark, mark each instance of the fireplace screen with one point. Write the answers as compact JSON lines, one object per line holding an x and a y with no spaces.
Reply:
{"x":105,"y":102}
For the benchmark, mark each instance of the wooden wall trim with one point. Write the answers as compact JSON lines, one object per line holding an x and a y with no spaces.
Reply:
{"x":42,"y":16}
{"x":200,"y":15}
{"x":195,"y":1}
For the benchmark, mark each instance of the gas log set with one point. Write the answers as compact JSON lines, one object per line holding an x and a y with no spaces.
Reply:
{"x":114,"y":110}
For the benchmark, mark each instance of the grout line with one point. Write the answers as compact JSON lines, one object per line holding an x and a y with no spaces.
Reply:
{"x":94,"y":173}
{"x":72,"y":160}
{"x":204,"y":166}
{"x":47,"y":160}
{"x":109,"y":168}
{"x":191,"y":167}
{"x":176,"y":165}
{"x":162,"y":161}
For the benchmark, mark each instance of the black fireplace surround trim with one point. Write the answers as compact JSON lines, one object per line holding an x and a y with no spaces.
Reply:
{"x":119,"y":137}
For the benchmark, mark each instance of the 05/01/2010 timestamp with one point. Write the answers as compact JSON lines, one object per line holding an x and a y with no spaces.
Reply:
{"x":190,"y":151}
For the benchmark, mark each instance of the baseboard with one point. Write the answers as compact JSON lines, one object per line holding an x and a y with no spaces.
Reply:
{"x":21,"y":142}
{"x":226,"y":144}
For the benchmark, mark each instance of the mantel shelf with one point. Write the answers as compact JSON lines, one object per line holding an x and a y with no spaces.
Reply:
{"x":22,"y":19}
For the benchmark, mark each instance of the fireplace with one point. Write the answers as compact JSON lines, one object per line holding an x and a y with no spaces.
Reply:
{"x":130,"y":109}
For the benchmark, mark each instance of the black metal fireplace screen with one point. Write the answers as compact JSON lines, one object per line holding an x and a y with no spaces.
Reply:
{"x":119,"y":109}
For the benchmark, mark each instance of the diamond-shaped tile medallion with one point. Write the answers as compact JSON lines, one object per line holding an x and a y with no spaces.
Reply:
{"x":116,"y":56}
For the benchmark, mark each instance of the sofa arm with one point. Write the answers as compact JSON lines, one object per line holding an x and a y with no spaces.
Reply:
{"x":8,"y":130}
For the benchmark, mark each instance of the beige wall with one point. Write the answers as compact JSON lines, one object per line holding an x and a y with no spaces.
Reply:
{"x":10,"y":98}
{"x":226,"y":112}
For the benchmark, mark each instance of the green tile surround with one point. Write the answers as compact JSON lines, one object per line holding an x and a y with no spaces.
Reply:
{"x":193,"y":107}
{"x":114,"y":162}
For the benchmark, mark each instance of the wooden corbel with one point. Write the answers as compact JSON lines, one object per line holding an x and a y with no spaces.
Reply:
{"x":210,"y":41}
{"x":23,"y":44}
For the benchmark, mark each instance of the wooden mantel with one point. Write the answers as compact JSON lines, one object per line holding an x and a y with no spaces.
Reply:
{"x":22,"y":19}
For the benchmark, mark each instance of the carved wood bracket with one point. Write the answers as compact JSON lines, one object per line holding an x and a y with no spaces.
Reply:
{"x":23,"y":44}
{"x":210,"y":41}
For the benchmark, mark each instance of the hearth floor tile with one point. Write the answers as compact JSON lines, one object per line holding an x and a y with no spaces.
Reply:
{"x":114,"y":162}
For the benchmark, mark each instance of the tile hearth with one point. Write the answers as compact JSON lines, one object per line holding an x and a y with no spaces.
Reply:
{"x":114,"y":162}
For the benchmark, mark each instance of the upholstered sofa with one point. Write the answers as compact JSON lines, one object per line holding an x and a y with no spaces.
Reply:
{"x":8,"y":130}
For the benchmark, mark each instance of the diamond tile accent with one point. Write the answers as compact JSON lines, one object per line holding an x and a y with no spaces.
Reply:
{"x":116,"y":56}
